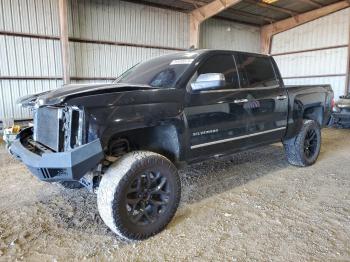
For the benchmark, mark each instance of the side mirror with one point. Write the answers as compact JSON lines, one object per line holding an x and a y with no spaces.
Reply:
{"x":209,"y":81}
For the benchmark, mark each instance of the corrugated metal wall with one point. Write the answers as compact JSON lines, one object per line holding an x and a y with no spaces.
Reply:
{"x":327,"y":66}
{"x":100,"y":60}
{"x":116,"y":21}
{"x":127,"y":22}
{"x":221,"y":34}
{"x":29,"y":16}
{"x":25,"y":57}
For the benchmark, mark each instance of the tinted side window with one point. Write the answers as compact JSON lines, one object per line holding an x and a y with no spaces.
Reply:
{"x":221,"y":64}
{"x":256,"y":71}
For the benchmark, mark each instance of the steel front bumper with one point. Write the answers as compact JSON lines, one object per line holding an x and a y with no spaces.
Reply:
{"x":63,"y":166}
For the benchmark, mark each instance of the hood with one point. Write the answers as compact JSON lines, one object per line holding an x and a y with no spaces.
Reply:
{"x":29,"y":100}
{"x":60,"y":95}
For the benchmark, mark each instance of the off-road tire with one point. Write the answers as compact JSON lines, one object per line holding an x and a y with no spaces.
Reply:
{"x":295,"y":147}
{"x":71,"y":184}
{"x":115,"y":185}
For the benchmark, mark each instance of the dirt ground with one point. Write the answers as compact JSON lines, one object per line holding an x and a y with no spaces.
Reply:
{"x":251,"y":206}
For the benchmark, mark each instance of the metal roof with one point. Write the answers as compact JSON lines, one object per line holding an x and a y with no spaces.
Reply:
{"x":253,"y":12}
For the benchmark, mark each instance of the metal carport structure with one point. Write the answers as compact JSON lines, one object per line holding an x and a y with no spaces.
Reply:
{"x":44,"y":44}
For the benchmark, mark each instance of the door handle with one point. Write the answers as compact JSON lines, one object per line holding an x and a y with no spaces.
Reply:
{"x":240,"y":101}
{"x":281,"y":97}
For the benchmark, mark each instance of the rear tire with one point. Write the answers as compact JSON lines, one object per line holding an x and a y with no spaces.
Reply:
{"x":304,"y":149}
{"x":139,"y":195}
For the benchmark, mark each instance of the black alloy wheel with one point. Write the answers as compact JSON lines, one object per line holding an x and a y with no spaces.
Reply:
{"x":310,"y":143}
{"x":147,"y":198}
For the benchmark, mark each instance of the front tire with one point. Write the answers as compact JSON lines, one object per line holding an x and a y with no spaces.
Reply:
{"x":304,"y":149}
{"x":139,"y":195}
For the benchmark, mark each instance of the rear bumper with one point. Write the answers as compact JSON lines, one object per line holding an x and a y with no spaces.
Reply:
{"x":52,"y":167}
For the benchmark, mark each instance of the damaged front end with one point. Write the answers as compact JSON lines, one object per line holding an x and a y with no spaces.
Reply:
{"x":56,"y":149}
{"x":59,"y":128}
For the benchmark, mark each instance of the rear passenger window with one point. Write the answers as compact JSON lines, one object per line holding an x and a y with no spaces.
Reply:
{"x":256,"y":71}
{"x":221,"y":64}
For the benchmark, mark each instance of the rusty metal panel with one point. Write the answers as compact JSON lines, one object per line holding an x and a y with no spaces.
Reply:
{"x":220,"y":34}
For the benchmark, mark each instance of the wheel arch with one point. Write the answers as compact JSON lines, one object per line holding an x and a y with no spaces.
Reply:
{"x":315,"y":113}
{"x":162,"y":139}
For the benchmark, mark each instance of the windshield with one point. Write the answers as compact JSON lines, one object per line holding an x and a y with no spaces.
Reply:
{"x":163,"y":71}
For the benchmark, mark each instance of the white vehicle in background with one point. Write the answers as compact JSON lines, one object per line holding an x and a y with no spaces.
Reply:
{"x":341,"y":112}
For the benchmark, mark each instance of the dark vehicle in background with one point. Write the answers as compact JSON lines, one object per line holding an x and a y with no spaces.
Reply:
{"x":341,"y":112}
{"x":125,"y":139}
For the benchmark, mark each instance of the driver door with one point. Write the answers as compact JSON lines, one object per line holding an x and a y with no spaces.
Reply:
{"x":215,"y":116}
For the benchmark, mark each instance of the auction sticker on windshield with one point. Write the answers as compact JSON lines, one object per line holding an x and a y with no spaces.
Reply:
{"x":181,"y":62}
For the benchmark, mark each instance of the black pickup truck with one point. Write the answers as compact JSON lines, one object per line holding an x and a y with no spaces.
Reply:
{"x":125,"y":140}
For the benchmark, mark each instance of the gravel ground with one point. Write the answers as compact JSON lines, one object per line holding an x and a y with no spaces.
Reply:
{"x":251,"y":206}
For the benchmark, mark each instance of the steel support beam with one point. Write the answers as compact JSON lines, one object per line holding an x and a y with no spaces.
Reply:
{"x":63,"y":19}
{"x":203,"y":13}
{"x":268,"y":31}
{"x":347,"y":83}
